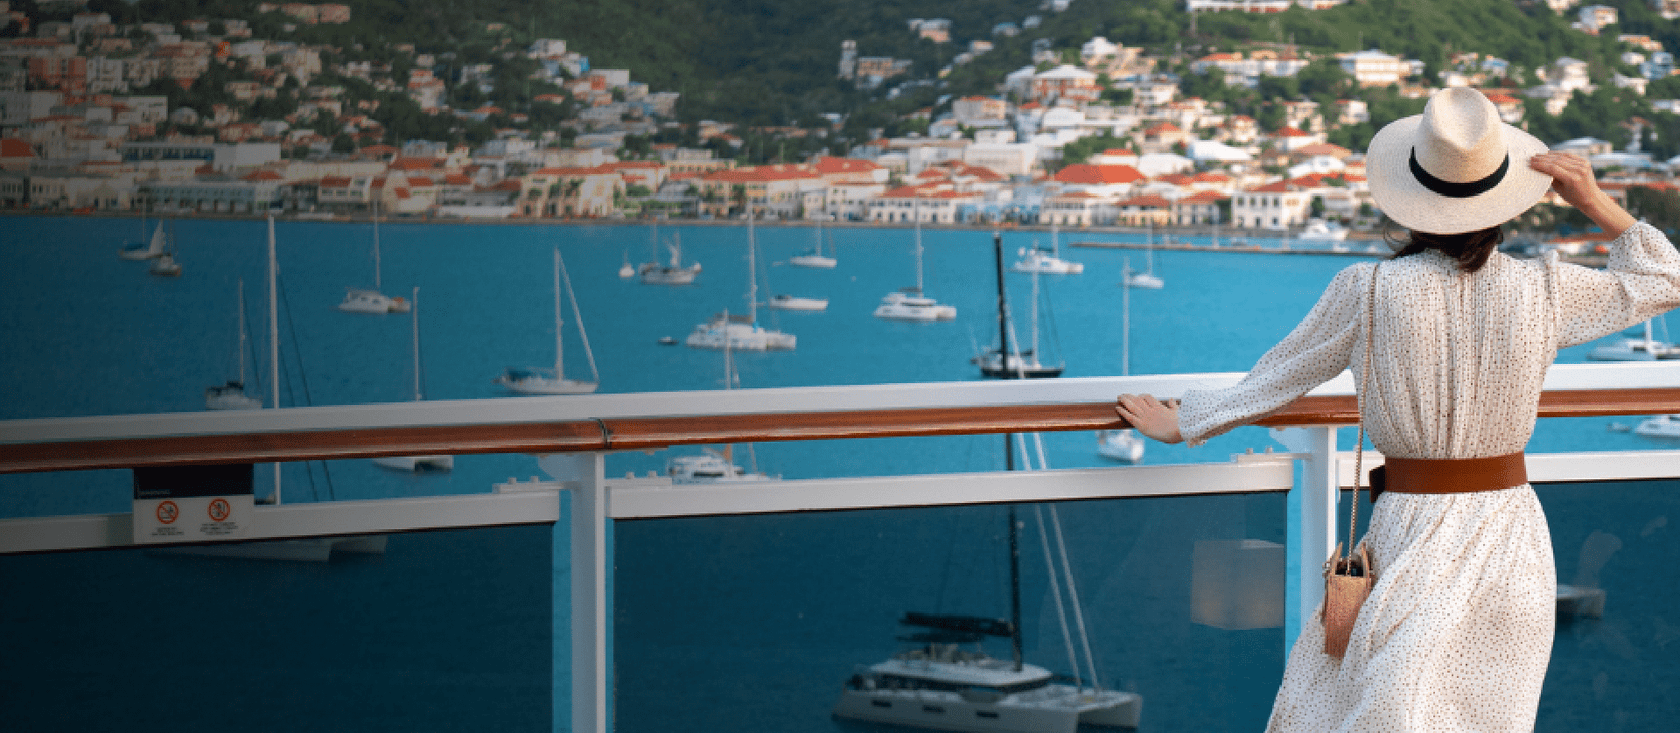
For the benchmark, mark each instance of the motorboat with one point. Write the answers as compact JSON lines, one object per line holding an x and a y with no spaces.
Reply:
{"x":545,"y":381}
{"x":909,"y":304}
{"x":710,"y":467}
{"x":1633,"y":348}
{"x":1319,"y":230}
{"x":1046,"y":262}
{"x":1120,"y":445}
{"x":912,"y":304}
{"x":422,"y":463}
{"x":363,"y":300}
{"x":796,"y":303}
{"x":1574,"y":601}
{"x":1660,"y":426}
{"x":738,"y":332}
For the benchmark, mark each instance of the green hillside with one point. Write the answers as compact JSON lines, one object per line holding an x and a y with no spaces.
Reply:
{"x":774,"y":62}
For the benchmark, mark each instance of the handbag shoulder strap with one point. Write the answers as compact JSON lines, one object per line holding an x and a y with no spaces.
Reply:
{"x":1359,"y":401}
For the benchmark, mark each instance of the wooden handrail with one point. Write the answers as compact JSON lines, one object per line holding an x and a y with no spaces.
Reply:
{"x":660,"y":432}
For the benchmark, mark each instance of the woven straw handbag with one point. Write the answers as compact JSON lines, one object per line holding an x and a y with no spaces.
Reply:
{"x":1348,"y":578}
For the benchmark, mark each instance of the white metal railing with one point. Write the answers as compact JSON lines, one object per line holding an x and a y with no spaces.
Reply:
{"x":596,"y":500}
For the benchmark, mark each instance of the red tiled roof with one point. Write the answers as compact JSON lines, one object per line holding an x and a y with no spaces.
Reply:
{"x":1146,"y":201}
{"x":334,"y":181}
{"x":12,"y":147}
{"x":264,"y":175}
{"x":1290,"y":131}
{"x":829,"y":165}
{"x":1204,"y":197}
{"x":1098,"y":174}
{"x":413,"y":164}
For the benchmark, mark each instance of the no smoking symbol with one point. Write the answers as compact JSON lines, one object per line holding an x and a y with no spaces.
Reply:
{"x":219,"y":510}
{"x":167,"y":511}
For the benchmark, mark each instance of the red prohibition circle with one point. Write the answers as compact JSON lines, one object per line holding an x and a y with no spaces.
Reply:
{"x":167,"y":512}
{"x":219,"y":510}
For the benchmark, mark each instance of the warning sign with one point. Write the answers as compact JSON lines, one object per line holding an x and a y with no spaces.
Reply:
{"x":167,"y":501}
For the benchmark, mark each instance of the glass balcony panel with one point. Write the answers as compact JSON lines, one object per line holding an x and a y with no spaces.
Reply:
{"x":447,"y":630}
{"x":756,"y":623}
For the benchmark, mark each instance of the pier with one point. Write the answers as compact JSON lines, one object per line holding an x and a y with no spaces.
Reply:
{"x":1354,"y":248}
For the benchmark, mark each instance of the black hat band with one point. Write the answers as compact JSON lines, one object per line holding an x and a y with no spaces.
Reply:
{"x":1455,"y":190}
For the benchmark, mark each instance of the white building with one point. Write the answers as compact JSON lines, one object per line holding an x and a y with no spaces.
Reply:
{"x":1278,"y":205}
{"x":1374,"y":68}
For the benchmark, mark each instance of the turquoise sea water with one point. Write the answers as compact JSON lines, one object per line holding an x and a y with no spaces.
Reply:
{"x":752,"y":623}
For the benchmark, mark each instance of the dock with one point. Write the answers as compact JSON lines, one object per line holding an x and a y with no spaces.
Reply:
{"x":1356,"y":248}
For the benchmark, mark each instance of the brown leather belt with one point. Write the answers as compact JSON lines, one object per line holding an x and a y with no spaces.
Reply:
{"x":1448,"y":475}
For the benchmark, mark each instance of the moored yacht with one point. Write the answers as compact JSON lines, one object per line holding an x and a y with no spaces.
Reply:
{"x":911,"y":304}
{"x":738,"y":332}
{"x":1661,"y":426}
{"x":940,"y":685}
{"x":710,"y":467}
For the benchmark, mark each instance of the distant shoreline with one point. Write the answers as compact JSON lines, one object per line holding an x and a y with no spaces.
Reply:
{"x":1224,"y":233}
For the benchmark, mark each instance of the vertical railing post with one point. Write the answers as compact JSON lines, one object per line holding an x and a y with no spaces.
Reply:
{"x":1312,"y":524}
{"x":584,"y":476}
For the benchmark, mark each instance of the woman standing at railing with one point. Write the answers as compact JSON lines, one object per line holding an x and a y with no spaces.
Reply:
{"x":1457,"y":632}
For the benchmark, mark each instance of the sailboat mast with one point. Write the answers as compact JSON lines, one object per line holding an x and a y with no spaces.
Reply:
{"x":577,"y":313}
{"x":1003,"y":315}
{"x":919,"y":253}
{"x":1014,"y":569}
{"x":1126,"y":319}
{"x":1035,"y":313}
{"x":273,"y":338}
{"x":559,"y":348}
{"x":752,"y":277}
{"x":376,"y":244}
{"x":414,"y":319}
{"x":242,"y":333}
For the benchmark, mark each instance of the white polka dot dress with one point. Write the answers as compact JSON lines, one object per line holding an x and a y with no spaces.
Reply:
{"x":1457,"y":633}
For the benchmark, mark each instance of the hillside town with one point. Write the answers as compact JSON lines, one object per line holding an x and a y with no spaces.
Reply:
{"x":79,"y":132}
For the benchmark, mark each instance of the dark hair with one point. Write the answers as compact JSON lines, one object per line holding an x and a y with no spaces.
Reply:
{"x":1470,"y":249}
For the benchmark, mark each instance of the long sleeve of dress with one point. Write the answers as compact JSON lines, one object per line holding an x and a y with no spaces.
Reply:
{"x":1315,"y":352}
{"x":1641,"y":280}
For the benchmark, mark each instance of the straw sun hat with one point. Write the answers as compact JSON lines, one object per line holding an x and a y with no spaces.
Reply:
{"x":1455,"y":168}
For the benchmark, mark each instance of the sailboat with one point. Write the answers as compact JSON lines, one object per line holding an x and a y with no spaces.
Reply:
{"x":937,"y":683}
{"x":1124,"y":444}
{"x":231,"y":396}
{"x":786,"y":302}
{"x":814,"y":256}
{"x":1635,"y":349}
{"x":675,"y":273}
{"x":724,"y":331}
{"x":626,"y":270}
{"x":1147,"y":278}
{"x":416,"y":463}
{"x":165,"y":264}
{"x":1036,"y":260}
{"x":910,"y":304}
{"x":145,"y":249}
{"x":363,"y":300}
{"x":541,"y":381}
{"x":1019,"y":364}
{"x":713,"y":466}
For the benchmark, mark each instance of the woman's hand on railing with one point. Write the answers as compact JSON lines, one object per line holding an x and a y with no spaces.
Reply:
{"x":1152,"y":417}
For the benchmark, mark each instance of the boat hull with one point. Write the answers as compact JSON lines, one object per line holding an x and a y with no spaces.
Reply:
{"x":799,"y":304}
{"x":1054,"y":709}
{"x":545,"y":385}
{"x":814,"y":261}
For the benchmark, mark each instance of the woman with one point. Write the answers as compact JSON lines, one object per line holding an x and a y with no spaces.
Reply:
{"x":1457,"y":631}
